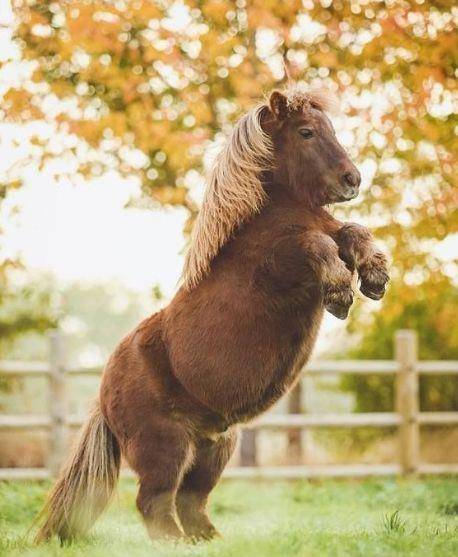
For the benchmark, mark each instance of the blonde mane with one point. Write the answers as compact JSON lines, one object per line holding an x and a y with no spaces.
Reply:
{"x":234,"y":190}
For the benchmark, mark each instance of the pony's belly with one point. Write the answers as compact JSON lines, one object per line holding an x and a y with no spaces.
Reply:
{"x":281,"y":381}
{"x":238,"y":371}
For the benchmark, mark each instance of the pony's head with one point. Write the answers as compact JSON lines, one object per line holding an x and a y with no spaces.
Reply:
{"x":285,"y":146}
{"x":309,"y":163}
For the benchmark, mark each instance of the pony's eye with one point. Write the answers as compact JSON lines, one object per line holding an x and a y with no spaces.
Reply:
{"x":306,"y":133}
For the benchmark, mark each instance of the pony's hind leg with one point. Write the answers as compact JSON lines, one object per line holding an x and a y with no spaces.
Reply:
{"x":210,"y":460}
{"x":160,"y":454}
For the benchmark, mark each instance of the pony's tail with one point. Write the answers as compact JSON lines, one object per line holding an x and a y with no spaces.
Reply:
{"x":85,"y":484}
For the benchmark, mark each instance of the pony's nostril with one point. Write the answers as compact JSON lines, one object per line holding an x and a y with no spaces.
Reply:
{"x":350,"y":179}
{"x":358,"y":178}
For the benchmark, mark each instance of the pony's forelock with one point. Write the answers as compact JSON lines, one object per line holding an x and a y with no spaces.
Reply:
{"x":300,"y":98}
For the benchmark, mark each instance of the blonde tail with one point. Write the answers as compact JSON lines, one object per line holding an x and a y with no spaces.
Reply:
{"x":85,"y":484}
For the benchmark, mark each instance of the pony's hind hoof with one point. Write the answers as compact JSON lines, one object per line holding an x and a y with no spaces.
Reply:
{"x":204,"y":535}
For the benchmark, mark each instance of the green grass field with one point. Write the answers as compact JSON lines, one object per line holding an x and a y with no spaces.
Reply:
{"x":269,"y":519}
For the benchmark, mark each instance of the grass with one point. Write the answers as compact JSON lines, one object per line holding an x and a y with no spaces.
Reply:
{"x":378,"y":517}
{"x":394,"y":523}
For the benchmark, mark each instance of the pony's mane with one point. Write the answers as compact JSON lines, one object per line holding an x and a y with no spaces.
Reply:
{"x":234,"y":190}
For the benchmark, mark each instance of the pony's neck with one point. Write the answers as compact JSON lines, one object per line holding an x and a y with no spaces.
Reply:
{"x":280,"y":194}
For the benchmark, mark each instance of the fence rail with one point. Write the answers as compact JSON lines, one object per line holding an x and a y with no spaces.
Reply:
{"x":407,"y":418}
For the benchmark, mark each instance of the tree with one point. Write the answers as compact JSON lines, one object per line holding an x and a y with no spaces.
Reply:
{"x":93,"y":317}
{"x":24,"y":306}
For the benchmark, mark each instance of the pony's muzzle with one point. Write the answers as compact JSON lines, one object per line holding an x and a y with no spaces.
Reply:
{"x":350,"y":182}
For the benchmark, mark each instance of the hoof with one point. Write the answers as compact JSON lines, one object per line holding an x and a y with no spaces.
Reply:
{"x":374,"y":277}
{"x":338,"y":301}
{"x":203,"y":535}
{"x":339,"y":311}
{"x":374,"y":292}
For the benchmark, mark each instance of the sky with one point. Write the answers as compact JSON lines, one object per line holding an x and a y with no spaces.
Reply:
{"x":84,"y":232}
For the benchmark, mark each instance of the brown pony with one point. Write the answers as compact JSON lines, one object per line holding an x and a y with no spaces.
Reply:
{"x":265,"y":261}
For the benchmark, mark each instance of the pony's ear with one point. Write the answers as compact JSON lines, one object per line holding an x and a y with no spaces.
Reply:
{"x":278,"y":105}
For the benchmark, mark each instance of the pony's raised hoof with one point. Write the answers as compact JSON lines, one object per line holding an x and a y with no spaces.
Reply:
{"x":338,"y":301}
{"x":341,"y":312}
{"x":371,"y":291}
{"x":374,"y":277}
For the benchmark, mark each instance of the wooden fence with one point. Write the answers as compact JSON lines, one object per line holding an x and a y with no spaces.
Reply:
{"x":407,"y":417}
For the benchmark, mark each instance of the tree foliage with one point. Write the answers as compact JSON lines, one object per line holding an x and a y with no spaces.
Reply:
{"x":91,"y":316}
{"x":159,"y":78}
{"x":24,"y":306}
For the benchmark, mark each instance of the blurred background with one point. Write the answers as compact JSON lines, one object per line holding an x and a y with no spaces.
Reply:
{"x":111,"y":111}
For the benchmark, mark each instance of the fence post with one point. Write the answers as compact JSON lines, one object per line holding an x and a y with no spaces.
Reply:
{"x":57,"y":402}
{"x":248,"y":456}
{"x":407,"y":405}
{"x":307,"y":435}
{"x":295,"y":434}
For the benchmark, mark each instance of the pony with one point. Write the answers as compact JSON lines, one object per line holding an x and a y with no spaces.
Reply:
{"x":266,"y":259}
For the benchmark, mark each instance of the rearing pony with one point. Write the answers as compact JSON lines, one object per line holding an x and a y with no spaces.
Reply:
{"x":265,"y":261}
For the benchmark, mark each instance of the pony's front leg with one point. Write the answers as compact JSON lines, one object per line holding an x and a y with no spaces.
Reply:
{"x":308,"y":260}
{"x":358,"y":249}
{"x":335,"y":278}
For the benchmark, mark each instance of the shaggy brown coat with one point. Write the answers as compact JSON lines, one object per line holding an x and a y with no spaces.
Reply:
{"x":266,"y":260}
